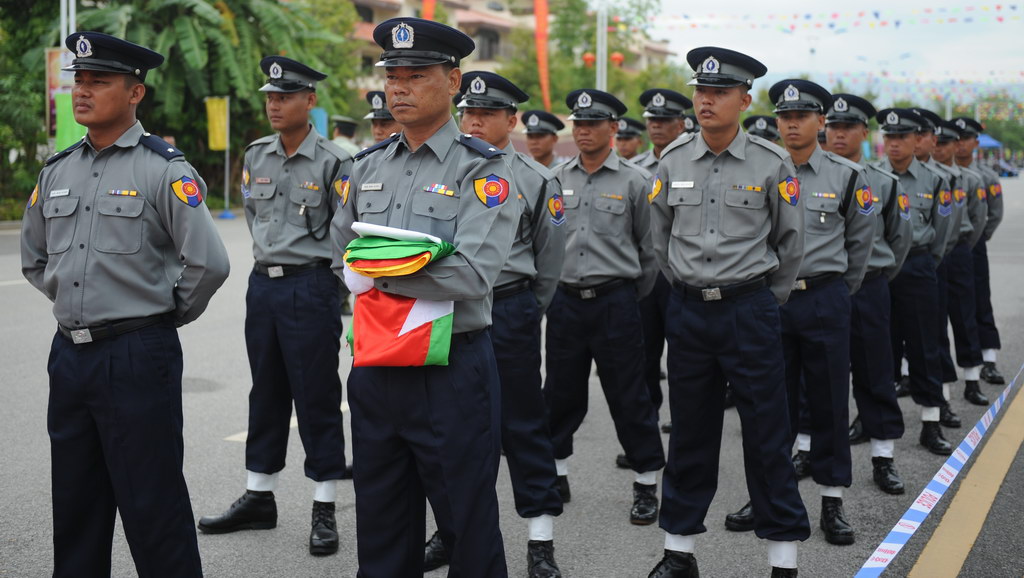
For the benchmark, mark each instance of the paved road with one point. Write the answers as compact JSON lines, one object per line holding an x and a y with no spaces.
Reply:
{"x":593,"y":536}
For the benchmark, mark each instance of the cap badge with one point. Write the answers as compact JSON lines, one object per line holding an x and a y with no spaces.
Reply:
{"x":760,"y":124}
{"x":688,"y":123}
{"x":402,"y":36}
{"x":478,"y":86}
{"x":623,"y":125}
{"x":790,"y":94}
{"x":961,"y":124}
{"x":710,"y":65}
{"x":840,"y":105}
{"x":533,"y":121}
{"x":275,"y":70}
{"x":377,"y":102}
{"x":658,"y":100}
{"x":84,"y":47}
{"x":892,"y":118}
{"x":584,"y":101}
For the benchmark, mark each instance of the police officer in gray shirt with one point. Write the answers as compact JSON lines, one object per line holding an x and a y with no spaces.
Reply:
{"x":915,"y":289}
{"x":880,"y":418}
{"x":117,"y":236}
{"x":728,"y":234}
{"x":291,"y":183}
{"x":431,"y":432}
{"x":542,"y":135}
{"x":594,"y":316}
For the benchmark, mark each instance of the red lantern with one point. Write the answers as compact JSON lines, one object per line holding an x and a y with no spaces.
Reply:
{"x":589,"y":59}
{"x":617,"y":58}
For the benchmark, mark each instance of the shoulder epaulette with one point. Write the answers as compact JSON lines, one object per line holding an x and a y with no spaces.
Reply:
{"x":160,"y":146}
{"x":879,"y":169}
{"x":481,"y":146}
{"x":57,"y":156}
{"x":263,"y":140}
{"x":540,"y":169}
{"x":333,"y":149}
{"x":844,"y":161}
{"x":382,"y":144}
{"x":765,"y":143}
{"x":679,"y":141}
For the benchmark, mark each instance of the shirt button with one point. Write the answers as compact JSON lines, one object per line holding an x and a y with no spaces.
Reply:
{"x":581,"y":253}
{"x":430,"y":209}
{"x":716,"y":170}
{"x":119,"y":209}
{"x":87,"y":208}
{"x":711,"y":231}
{"x":76,"y":283}
{"x":712,"y":201}
{"x":81,"y":245}
{"x":709,"y":259}
{"x":95,"y":175}
{"x":78,"y":322}
{"x":398,"y":205}
{"x":279,"y":194}
{"x":408,"y":173}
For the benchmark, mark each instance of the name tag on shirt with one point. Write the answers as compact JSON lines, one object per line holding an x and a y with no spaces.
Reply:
{"x":59,"y":193}
{"x":371,"y":187}
{"x":681,"y":185}
{"x":567,"y":192}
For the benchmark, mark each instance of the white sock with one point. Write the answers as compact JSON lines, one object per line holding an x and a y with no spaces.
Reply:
{"x":972,"y":373}
{"x":680,"y":543}
{"x":989,"y":355}
{"x":647,"y":478}
{"x":945,"y":391}
{"x":542,"y":527}
{"x":929,"y":414}
{"x":803,"y":442}
{"x":831,"y":491}
{"x":326,"y":491}
{"x":882,"y":448}
{"x":904,"y":366}
{"x":782,"y":554}
{"x":258,"y":482}
{"x":562,"y":467}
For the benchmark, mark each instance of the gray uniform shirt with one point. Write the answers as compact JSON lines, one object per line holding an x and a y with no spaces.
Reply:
{"x":289,"y":201}
{"x":647,"y":161}
{"x":718,"y":220}
{"x":121,"y":233}
{"x":929,"y":214}
{"x":977,"y":204}
{"x":840,"y":222}
{"x":440,"y":189}
{"x":894,"y":235}
{"x":539,"y":246}
{"x":958,"y":200}
{"x":609,"y":224}
{"x":995,"y":197}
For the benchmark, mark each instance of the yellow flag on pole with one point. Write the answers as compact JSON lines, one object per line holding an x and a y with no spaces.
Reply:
{"x":217,"y":122}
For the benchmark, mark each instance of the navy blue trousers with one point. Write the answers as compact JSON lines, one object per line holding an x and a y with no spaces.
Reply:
{"x":293,"y":335}
{"x":652,"y":316}
{"x":115,"y":424}
{"x":428,"y":432}
{"x":525,"y":437}
{"x":987,"y":332}
{"x":816,"y":347}
{"x":709,"y":344}
{"x":915,"y":307}
{"x":605,"y":330}
{"x":871,"y":361}
{"x":961,"y":312}
{"x":942,"y":321}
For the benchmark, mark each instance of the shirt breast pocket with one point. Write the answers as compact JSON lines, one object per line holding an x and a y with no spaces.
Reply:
{"x":435,"y":214}
{"x":822,"y":215}
{"x":119,"y":225}
{"x":610,"y":216}
{"x":744,"y":214}
{"x":571,"y":204}
{"x":686,"y":211}
{"x":262,"y":198}
{"x":311,"y":200}
{"x":61,"y":220}
{"x":373,"y":206}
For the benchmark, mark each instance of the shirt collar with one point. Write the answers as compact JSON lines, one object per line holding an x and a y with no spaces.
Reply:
{"x":815,"y":159}
{"x":440,"y":143}
{"x":737,"y":148}
{"x":128,"y":138}
{"x":307,"y":147}
{"x":611,"y":163}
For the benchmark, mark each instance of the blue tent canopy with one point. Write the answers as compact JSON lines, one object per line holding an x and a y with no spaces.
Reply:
{"x":987,"y":142}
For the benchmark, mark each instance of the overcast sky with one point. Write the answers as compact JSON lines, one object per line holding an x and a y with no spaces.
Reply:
{"x":922,"y":47}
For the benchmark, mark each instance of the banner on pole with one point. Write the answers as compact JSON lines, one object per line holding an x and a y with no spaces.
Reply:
{"x":217,"y":122}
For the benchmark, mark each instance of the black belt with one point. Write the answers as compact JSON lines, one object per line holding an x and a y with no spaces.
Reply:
{"x":595,"y":290}
{"x":512,"y":288}
{"x":872,"y":274}
{"x":114,"y":328}
{"x":720,"y":293}
{"x":467,"y":336}
{"x":816,"y":281}
{"x":274,"y":271}
{"x":919,"y":251}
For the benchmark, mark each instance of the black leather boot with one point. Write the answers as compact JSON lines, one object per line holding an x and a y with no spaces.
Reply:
{"x":857,"y":435}
{"x":623,"y":463}
{"x":434,"y":554}
{"x":931,"y":438}
{"x":540,"y":559}
{"x":563,"y":489}
{"x":253,"y":511}
{"x":645,"y":504}
{"x":948,"y":417}
{"x":783,"y":572}
{"x":886,"y":477}
{"x":802,"y":464}
{"x":323,"y":537}
{"x":833,"y":522}
{"x":972,"y":393}
{"x":741,"y":520}
{"x":903,"y":386}
{"x":676,"y":565}
{"x":990,"y":374}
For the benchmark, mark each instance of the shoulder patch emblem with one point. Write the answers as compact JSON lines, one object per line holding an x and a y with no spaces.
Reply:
{"x":789,"y":190}
{"x":245,"y":182}
{"x":995,"y":190}
{"x":557,"y":209}
{"x":945,"y":203}
{"x":33,"y":197}
{"x":903,"y":200}
{"x":187,"y":191}
{"x":656,"y":187}
{"x":981,"y":193}
{"x":341,"y":187}
{"x":959,"y":196}
{"x":865,"y":200}
{"x":492,"y":190}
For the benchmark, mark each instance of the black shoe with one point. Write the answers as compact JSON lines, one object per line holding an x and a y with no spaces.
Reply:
{"x":886,"y":477}
{"x":802,"y":464}
{"x":666,"y":427}
{"x":741,"y":520}
{"x":621,"y":461}
{"x":729,"y":400}
{"x":540,"y":560}
{"x":662,"y":375}
{"x":903,"y":386}
{"x":990,"y":374}
{"x":833,"y":522}
{"x":972,"y":393}
{"x":253,"y":511}
{"x":563,"y":489}
{"x":676,"y":565}
{"x":948,"y":417}
{"x":434,"y":554}
{"x":931,"y":438}
{"x":857,"y":435}
{"x":783,"y":572}
{"x":645,"y":504}
{"x":323,"y":538}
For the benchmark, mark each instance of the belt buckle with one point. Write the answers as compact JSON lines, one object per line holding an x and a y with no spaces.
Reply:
{"x":711,"y":294}
{"x":588,"y":293}
{"x":80,"y":336}
{"x":275,"y":271}
{"x":800,"y":285}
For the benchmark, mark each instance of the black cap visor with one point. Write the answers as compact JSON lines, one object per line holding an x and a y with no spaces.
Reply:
{"x":394,"y":58}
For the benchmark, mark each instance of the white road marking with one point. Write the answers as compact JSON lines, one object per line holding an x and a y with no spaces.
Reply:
{"x":242,"y":435}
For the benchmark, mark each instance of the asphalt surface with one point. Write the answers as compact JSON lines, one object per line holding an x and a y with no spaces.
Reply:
{"x":593,"y":537}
